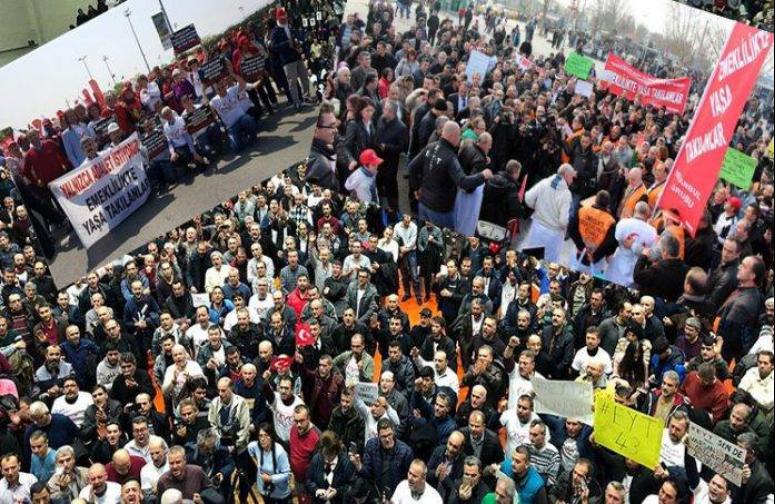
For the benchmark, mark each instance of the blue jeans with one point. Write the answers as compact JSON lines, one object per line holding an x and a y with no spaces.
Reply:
{"x":441,"y":219}
{"x":409,"y":277}
{"x":242,"y":132}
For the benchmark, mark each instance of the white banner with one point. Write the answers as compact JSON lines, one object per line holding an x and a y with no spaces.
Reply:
{"x":584,"y":88}
{"x":98,"y":195}
{"x":723,"y":457}
{"x":564,"y":398}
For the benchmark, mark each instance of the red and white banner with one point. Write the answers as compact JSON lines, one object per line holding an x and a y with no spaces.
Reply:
{"x":623,"y":79}
{"x":699,"y":161}
{"x":523,"y":62}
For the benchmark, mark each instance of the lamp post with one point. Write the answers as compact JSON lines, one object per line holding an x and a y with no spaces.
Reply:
{"x":128,"y":13}
{"x":82,"y":59}
{"x":112,"y":75}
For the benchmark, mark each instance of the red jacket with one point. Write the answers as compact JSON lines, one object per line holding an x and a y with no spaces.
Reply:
{"x":302,"y":450}
{"x":136,"y":463}
{"x":296,"y":301}
{"x":713,"y":399}
{"x":46,"y":163}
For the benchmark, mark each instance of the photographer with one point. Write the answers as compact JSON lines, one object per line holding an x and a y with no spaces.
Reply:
{"x":229,"y":415}
{"x":331,"y":473}
{"x":188,"y":423}
{"x":215,"y":460}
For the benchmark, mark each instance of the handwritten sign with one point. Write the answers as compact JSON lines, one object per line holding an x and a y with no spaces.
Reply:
{"x":251,"y":68}
{"x":212,"y":70}
{"x":185,"y":38}
{"x":564,"y":398}
{"x":723,"y":457}
{"x":200,"y":299}
{"x":738,"y":168}
{"x":579,"y":65}
{"x":155,"y":143}
{"x":199,"y":119}
{"x":367,"y":392}
{"x":628,"y":432}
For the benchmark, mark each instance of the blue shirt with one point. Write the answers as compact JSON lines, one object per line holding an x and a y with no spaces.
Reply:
{"x":43,"y":467}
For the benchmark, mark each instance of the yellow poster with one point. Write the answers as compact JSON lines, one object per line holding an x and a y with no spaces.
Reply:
{"x":628,"y":432}
{"x":770,"y":148}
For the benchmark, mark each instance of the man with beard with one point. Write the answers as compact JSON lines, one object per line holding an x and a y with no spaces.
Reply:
{"x":141,"y":317}
{"x":392,"y":139}
{"x":189,"y":479}
{"x":447,"y":460}
{"x":347,"y":423}
{"x":69,"y":479}
{"x":477,"y":401}
{"x":131,"y":382}
{"x":53,"y":369}
{"x":99,"y":488}
{"x":73,"y":402}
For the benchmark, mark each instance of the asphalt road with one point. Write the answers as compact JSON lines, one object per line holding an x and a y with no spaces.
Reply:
{"x":284,"y":139}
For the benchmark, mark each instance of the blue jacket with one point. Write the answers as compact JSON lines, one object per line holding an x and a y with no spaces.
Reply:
{"x":373,"y":456}
{"x":146,"y":308}
{"x":79,"y":356}
{"x":277,"y":466}
{"x":675,"y":362}
{"x":529,"y":487}
{"x":282,"y":46}
{"x":559,"y":435}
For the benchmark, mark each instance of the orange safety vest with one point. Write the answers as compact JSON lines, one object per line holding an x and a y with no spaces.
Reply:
{"x":594,"y":225}
{"x":678,"y":232}
{"x":628,"y":205}
{"x":654,"y":194}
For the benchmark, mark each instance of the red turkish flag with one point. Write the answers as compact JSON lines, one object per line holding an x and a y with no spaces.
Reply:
{"x":699,"y":161}
{"x":304,"y":336}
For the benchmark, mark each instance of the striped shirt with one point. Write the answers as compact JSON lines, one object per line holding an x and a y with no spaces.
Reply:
{"x":546,"y":461}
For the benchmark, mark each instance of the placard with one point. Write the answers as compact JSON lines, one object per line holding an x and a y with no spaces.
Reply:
{"x":628,"y":432}
{"x":478,"y":63}
{"x":251,"y":68}
{"x":723,"y":457}
{"x":568,"y":399}
{"x":770,"y":149}
{"x":738,"y":168}
{"x":199,"y":119}
{"x":367,"y":392}
{"x":101,"y":193}
{"x":523,"y":63}
{"x":212,"y":70}
{"x":185,"y":39}
{"x":579,"y":65}
{"x":200,"y":299}
{"x":584,"y":88}
{"x":155,"y":143}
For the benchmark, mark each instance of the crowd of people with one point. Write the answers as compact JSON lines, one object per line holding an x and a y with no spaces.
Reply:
{"x":91,"y":12}
{"x":758,"y":13}
{"x":198,"y":118}
{"x":302,"y":341}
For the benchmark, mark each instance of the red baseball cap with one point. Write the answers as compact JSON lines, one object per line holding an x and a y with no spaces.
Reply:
{"x":369,"y":158}
{"x":735,"y":202}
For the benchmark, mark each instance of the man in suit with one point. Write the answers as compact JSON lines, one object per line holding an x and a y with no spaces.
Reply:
{"x":459,"y":100}
{"x":362,"y":297}
{"x":481,"y":442}
{"x":392,"y":140}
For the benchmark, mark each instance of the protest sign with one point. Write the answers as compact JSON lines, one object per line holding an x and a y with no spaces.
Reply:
{"x":155,"y":143}
{"x":98,"y":195}
{"x":199,"y":119}
{"x":212,"y":70}
{"x":770,"y":149}
{"x":251,"y":68}
{"x":163,"y":29}
{"x":523,"y":63}
{"x":185,"y":38}
{"x":584,"y":88}
{"x":738,"y":168}
{"x":697,"y":165}
{"x":564,"y":398}
{"x":579,"y":65}
{"x":628,"y":432}
{"x":101,"y":128}
{"x":367,"y":392}
{"x":623,"y":79}
{"x":478,"y":63}
{"x":723,"y":457}
{"x":200,"y":299}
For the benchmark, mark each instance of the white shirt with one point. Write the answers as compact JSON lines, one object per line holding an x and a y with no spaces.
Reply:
{"x":261,"y":306}
{"x":142,"y":452}
{"x":112,"y":494}
{"x":170,"y":382}
{"x":583,"y":358}
{"x":283,"y":416}
{"x":672,"y":454}
{"x":403,"y":495}
{"x":518,"y":432}
{"x":518,"y":386}
{"x":176,"y":132}
{"x":761,"y":389}
{"x":197,"y":335}
{"x":149,"y":475}
{"x":75,"y":411}
{"x":231,"y":318}
{"x":216,"y":277}
{"x":20,"y":492}
{"x":229,"y":108}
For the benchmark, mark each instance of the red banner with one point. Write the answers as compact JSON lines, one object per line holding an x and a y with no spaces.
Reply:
{"x":699,"y":161}
{"x":625,"y":80}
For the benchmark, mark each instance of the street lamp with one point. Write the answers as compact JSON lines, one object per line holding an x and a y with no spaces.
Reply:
{"x":112,"y":75}
{"x":128,"y":13}
{"x":82,"y":59}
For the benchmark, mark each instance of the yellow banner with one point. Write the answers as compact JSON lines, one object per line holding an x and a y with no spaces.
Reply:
{"x":628,"y":432}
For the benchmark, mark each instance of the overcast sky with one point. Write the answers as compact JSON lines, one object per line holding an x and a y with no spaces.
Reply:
{"x":38,"y":83}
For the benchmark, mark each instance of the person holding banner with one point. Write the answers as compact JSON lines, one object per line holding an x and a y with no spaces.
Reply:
{"x":241,"y":127}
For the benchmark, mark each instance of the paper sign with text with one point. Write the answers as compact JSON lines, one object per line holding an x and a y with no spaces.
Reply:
{"x":564,"y":398}
{"x":579,"y":65}
{"x":723,"y":457}
{"x":627,"y":431}
{"x":738,"y":168}
{"x":367,"y":392}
